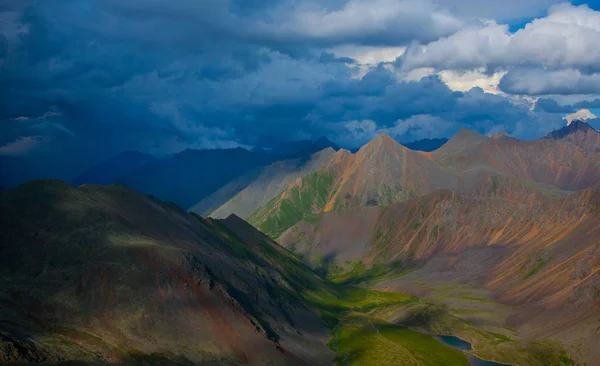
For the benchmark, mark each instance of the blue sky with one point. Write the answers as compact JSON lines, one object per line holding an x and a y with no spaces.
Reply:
{"x":85,"y":79}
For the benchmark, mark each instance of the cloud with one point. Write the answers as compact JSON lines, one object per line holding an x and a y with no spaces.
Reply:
{"x":402,"y":107}
{"x":467,"y":80}
{"x":551,"y":106}
{"x":564,"y":43}
{"x":582,"y":114}
{"x":508,"y":10}
{"x":162,"y":76}
{"x":21,"y":146}
{"x":588,"y":104}
{"x":365,"y":22}
{"x":544,"y":82}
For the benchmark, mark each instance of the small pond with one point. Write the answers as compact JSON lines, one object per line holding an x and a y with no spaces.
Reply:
{"x":461,"y":345}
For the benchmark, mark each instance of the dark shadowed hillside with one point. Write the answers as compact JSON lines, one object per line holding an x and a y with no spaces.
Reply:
{"x":110,"y":274}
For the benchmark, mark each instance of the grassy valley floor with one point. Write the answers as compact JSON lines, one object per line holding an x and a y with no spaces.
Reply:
{"x":373,"y":327}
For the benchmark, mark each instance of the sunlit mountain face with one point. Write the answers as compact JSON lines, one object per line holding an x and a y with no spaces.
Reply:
{"x":351,"y":182}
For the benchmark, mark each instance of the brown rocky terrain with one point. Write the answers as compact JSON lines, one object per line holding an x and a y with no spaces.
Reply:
{"x":542,"y":258}
{"x":556,"y":163}
{"x":384,"y":172}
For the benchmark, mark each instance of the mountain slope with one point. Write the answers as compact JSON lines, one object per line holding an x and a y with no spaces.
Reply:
{"x":109,"y":274}
{"x":555,"y":163}
{"x":384,"y":172}
{"x":579,"y":134}
{"x":380,"y":173}
{"x":542,"y":259}
{"x":114,"y":168}
{"x":251,"y":191}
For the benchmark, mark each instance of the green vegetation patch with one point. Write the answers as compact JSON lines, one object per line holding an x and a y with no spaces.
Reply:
{"x":360,"y":337}
{"x":360,"y":340}
{"x":283,"y":212}
{"x":537,"y":266}
{"x":358,"y":273}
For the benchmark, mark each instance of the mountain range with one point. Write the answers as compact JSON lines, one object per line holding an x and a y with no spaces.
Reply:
{"x":519,"y":219}
{"x":312,"y":255}
{"x":384,"y":172}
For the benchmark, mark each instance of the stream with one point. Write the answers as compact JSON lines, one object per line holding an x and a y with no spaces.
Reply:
{"x":461,"y":345}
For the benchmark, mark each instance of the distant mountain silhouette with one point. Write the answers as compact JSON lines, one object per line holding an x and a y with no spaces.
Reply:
{"x":188,"y":176}
{"x":191,"y":175}
{"x":294,"y":149}
{"x":108,"y":171}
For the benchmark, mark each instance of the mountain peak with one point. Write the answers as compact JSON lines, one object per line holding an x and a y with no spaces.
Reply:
{"x":498,"y":135}
{"x":465,"y":133}
{"x":464,"y":139}
{"x":578,"y":133}
{"x":381,"y":142}
{"x":573,"y":127}
{"x":384,"y":138}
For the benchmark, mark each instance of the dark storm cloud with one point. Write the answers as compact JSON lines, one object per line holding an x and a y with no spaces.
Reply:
{"x":551,"y":106}
{"x":161,"y":76}
{"x":588,"y":104}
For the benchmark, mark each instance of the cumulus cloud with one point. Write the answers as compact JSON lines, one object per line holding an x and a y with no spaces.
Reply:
{"x":390,"y":22}
{"x":564,"y":44}
{"x":467,"y":80}
{"x":543,"y":82}
{"x":506,"y":10}
{"x":582,"y":115}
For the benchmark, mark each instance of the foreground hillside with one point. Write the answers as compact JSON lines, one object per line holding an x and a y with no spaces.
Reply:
{"x":109,"y":274}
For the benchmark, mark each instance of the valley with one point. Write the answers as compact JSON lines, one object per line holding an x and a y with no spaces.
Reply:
{"x":485,"y":251}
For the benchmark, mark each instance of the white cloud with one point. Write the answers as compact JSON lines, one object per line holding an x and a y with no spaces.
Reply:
{"x":582,"y":114}
{"x":467,"y":80}
{"x":566,"y":38}
{"x":369,"y":55}
{"x":544,"y":82}
{"x":392,"y":22}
